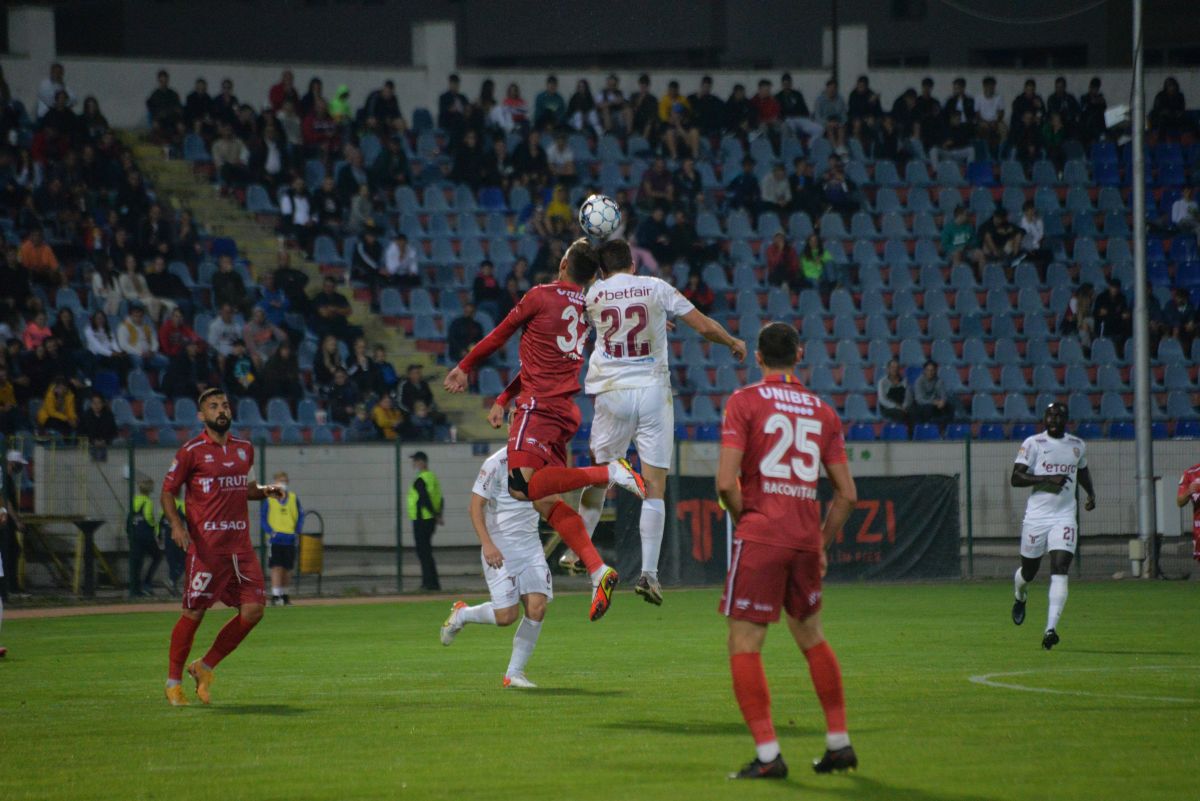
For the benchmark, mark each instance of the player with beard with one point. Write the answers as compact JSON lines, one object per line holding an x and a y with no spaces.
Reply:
{"x":213,"y":469}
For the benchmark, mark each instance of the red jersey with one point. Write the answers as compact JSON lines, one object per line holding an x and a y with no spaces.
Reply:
{"x":555,"y":332}
{"x":1190,"y":475}
{"x":785,"y":434}
{"x":215,"y":476}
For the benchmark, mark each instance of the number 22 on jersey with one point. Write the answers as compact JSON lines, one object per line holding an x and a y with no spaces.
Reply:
{"x":796,"y":452}
{"x":634,"y":321}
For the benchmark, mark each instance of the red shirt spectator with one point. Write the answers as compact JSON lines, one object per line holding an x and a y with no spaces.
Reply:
{"x":319,"y":130}
{"x":283,"y":91}
{"x":766,"y":107}
{"x":174,"y":334}
{"x":36,"y":332}
{"x":783,"y":262}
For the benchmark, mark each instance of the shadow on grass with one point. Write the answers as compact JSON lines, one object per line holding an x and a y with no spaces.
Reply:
{"x":704,"y":728}
{"x":575,"y":691}
{"x":273,"y":710}
{"x":860,"y":787}
{"x":1129,"y":652}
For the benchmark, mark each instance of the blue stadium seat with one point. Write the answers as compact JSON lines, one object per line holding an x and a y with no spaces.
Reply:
{"x":248,"y":413}
{"x":924,"y":432}
{"x":894,"y":432}
{"x":1121,"y":431}
{"x":958,"y":431}
{"x":1022,"y":431}
{"x":991,"y":432}
{"x":1189,"y":429}
{"x":861,"y":432}
{"x":983,"y":408}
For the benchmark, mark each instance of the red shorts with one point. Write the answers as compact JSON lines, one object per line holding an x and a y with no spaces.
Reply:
{"x":232,"y":579}
{"x":540,"y":431}
{"x":766,"y":578}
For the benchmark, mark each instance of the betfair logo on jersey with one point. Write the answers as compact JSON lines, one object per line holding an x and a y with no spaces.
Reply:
{"x":225,"y":525}
{"x":624,"y":294}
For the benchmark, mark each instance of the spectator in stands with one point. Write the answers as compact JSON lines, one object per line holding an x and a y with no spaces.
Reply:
{"x":175,"y":333}
{"x":463,"y":333}
{"x":708,"y":110}
{"x":645,"y":110}
{"x":103,"y":346}
{"x":228,"y":286}
{"x":297,"y":218}
{"x":520,"y":271}
{"x":315,"y":94}
{"x":319,"y":132}
{"x":388,"y":380}
{"x":657,"y":187}
{"x":18,"y":293}
{"x":135,"y":289}
{"x":351,"y":175}
{"x":1168,"y":115}
{"x":154,"y":234}
{"x":1054,"y":137}
{"x":198,"y":110}
{"x":166,"y":287}
{"x":132,"y":201}
{"x":783,"y":264}
{"x":362,"y":371}
{"x":904,"y":112}
{"x":291,"y":282}
{"x":223,"y":331}
{"x":1064,"y":104}
{"x":815,"y":261}
{"x":699,"y":293}
{"x":390,"y":168}
{"x":229,"y":156}
{"x":419,"y":427}
{"x":961,"y":102}
{"x":341,"y":397}
{"x":366,"y":263}
{"x":739,"y":114}
{"x":452,"y":109}
{"x":768,"y":115}
{"x":1029,"y":101}
{"x":39,"y":260}
{"x":990,"y":117}
{"x":66,"y":331}
{"x":283,"y":91}
{"x":362,"y":210}
{"x":510,"y":298}
{"x":49,"y":89}
{"x":331,"y":314}
{"x":262,"y":338}
{"x":956,"y":142}
{"x":189,"y":372}
{"x":137,"y":339}
{"x":928,"y":112}
{"x":927,"y":398}
{"x":1092,"y":106}
{"x":39,"y":366}
{"x":675,"y":123}
{"x":225,"y":104}
{"x":1185,"y":214}
{"x":1180,"y":318}
{"x":1077,"y":318}
{"x":999,"y":239}
{"x":615,"y":111}
{"x":529,"y":163}
{"x":361,"y":428}
{"x":292,"y":125}
{"x":957,"y":237}
{"x":57,"y":412}
{"x":11,"y":418}
{"x":512,"y":113}
{"x":327,"y":206}
{"x":806,"y":190}
{"x":560,"y":160}
{"x":486,"y":291}
{"x":830,"y":111}
{"x":549,"y":108}
{"x":891,"y":393}
{"x":841,"y":194}
{"x":97,"y":424}
{"x":686,"y":243}
{"x":498,"y":167}
{"x":743,"y":191}
{"x":400,"y":267}
{"x":776,"y":191}
{"x":387,"y":418}
{"x":687,"y":187}
{"x":415,"y":389}
{"x":1114,"y":318}
{"x":794,"y":110}
{"x":239,"y":374}
{"x":279,"y":376}
{"x":582,"y":114}
{"x":469,"y":159}
{"x":863,"y":102}
{"x":1033,"y":233}
{"x":165,"y":109}
{"x":36,"y":331}
{"x":327,"y":362}
{"x":653,"y":235}
{"x":383,"y":107}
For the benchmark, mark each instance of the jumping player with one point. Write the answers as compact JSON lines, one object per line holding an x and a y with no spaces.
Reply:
{"x":555,"y":333}
{"x":630,"y":377}
{"x":1049,"y":462}
{"x":1189,"y":490}
{"x":221,"y":563}
{"x":775,"y":437}
{"x":513,"y":566}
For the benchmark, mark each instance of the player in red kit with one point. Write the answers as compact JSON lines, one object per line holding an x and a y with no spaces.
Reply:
{"x":1189,"y":490}
{"x":554,"y":321}
{"x":775,"y":437}
{"x":213,"y":470}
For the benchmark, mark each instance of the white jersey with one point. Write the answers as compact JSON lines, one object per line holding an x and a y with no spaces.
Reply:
{"x":630,"y":313}
{"x":1046,"y":456}
{"x":512,"y":524}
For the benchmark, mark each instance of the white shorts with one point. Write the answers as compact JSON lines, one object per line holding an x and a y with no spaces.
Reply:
{"x":644,"y":416}
{"x":509,"y":582}
{"x":1048,"y":535}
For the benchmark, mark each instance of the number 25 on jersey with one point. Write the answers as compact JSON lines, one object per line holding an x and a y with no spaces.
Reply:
{"x":796,"y":452}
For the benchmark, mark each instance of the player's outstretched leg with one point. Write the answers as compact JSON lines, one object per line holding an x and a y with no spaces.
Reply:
{"x":591,"y":507}
{"x":182,"y":636}
{"x":461,"y":615}
{"x":524,"y":641}
{"x":553,"y":480}
{"x":650,"y":527}
{"x":228,"y":638}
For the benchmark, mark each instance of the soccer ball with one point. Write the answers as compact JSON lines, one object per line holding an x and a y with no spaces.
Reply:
{"x":599,"y":216}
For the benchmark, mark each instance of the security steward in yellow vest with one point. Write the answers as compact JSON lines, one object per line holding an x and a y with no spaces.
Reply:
{"x":141,"y":530}
{"x":425,"y":505}
{"x":282,"y":522}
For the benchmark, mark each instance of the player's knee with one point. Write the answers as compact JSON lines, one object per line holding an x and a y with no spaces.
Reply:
{"x":507,"y":616}
{"x":193,"y":614}
{"x":1060,"y":563}
{"x":535,"y":609}
{"x":251,"y":614}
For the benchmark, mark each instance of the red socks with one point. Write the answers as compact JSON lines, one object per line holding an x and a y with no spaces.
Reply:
{"x":569,"y":525}
{"x":753,"y":696}
{"x":553,"y":480}
{"x":228,"y":638}
{"x":827,"y":681}
{"x":181,"y":643}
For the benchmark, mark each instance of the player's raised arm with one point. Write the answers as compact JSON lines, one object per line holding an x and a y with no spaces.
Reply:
{"x":456,"y":379}
{"x":260,"y":492}
{"x":713,"y":331}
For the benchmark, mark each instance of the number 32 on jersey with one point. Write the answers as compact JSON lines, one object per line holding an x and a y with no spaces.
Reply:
{"x":576,"y":338}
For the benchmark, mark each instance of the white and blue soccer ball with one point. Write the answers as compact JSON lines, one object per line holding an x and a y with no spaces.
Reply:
{"x":599,"y":216}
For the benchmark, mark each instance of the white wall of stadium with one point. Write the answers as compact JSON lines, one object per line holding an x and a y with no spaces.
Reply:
{"x":354,"y":487}
{"x":122,"y":85}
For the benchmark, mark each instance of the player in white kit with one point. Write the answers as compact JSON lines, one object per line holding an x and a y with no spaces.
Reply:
{"x":629,"y":377}
{"x":1050,"y":462}
{"x":514,"y":567}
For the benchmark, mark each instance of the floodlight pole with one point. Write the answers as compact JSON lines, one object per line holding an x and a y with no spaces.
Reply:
{"x":1141,"y":340}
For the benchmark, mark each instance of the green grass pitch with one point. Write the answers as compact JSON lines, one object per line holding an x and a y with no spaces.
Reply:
{"x":363,"y":702}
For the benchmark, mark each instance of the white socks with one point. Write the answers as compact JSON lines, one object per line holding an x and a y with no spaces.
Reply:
{"x":767,"y":752}
{"x":1058,"y":599}
{"x":524,"y":641}
{"x":835,"y":741}
{"x":654,"y":517}
{"x":278,"y":592}
{"x":591,"y":506}
{"x":484,"y":613}
{"x":1019,"y":585}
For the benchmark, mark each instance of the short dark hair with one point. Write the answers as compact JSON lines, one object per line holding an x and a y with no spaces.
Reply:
{"x":779,"y":345}
{"x":929,"y":362}
{"x":209,"y":393}
{"x":615,"y":256}
{"x":988,"y":79}
{"x":582,"y":261}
